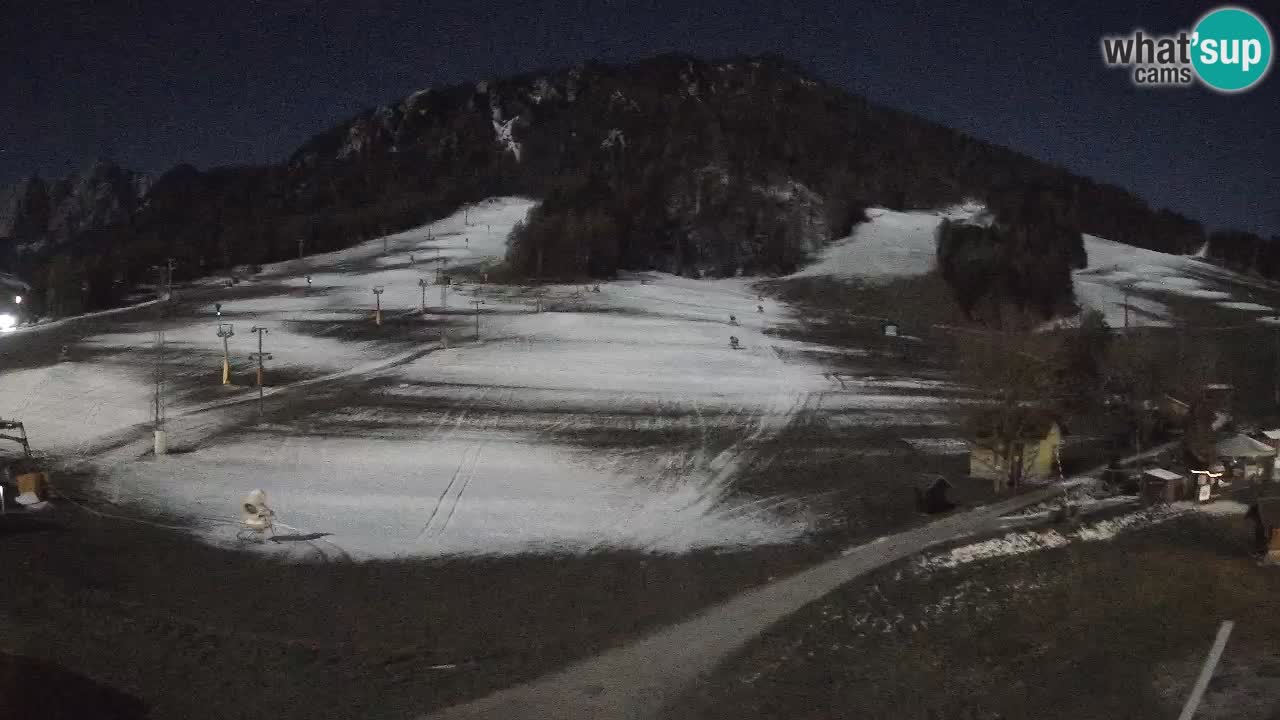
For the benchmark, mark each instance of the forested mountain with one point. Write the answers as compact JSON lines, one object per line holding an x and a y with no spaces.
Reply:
{"x":671,"y":163}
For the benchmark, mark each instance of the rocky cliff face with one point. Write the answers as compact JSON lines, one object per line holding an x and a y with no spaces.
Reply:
{"x":99,"y":195}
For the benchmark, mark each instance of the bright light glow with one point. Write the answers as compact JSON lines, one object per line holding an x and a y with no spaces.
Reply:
{"x":7,"y":322}
{"x":17,"y":299}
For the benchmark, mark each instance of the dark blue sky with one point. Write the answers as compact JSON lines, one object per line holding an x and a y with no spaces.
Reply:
{"x":152,"y":84}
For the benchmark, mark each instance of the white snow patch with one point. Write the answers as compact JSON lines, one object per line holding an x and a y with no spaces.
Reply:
{"x":1009,"y":544}
{"x":939,"y":446}
{"x":500,"y":486}
{"x":502,"y":129}
{"x":468,"y":493}
{"x":890,"y":244}
{"x":1113,"y":266}
{"x":1224,"y":507}
{"x":1017,"y":543}
{"x":1249,"y":306}
{"x":66,"y":406}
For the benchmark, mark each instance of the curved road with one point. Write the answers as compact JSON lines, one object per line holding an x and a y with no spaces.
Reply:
{"x":636,"y":681}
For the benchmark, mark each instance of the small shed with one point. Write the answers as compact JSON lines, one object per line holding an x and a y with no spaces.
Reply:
{"x":1161,"y":485}
{"x":1246,"y":458}
{"x":1271,"y":438}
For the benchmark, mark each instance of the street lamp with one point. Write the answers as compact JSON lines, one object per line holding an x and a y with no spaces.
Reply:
{"x":422,"y":283}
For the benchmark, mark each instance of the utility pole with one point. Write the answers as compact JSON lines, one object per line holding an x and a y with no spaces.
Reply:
{"x":168,"y":282}
{"x":259,"y":356}
{"x":377,"y":298}
{"x":225,"y":331}
{"x":477,"y":303}
{"x":1277,"y":373}
{"x":1126,"y":309}
{"x":161,"y":445}
{"x":422,"y":283}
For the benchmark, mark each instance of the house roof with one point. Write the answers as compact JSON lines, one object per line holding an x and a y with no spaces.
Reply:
{"x":1243,"y":446}
{"x":1162,"y":474}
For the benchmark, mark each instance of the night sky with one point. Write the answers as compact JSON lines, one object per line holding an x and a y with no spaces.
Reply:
{"x":152,"y":84}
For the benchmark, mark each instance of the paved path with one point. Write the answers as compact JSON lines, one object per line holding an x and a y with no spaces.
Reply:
{"x":636,"y":681}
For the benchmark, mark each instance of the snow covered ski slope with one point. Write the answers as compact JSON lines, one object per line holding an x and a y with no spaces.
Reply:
{"x":902,"y":244}
{"x":616,"y":418}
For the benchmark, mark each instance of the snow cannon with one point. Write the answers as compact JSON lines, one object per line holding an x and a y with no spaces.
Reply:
{"x":255,"y":517}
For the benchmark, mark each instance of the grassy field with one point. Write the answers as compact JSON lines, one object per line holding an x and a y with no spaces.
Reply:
{"x":187,"y":629}
{"x":1112,"y":629}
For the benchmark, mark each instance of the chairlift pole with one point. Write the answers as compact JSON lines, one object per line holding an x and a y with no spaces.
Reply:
{"x":160,"y":441}
{"x":1126,"y":309}
{"x":477,"y":303}
{"x":260,"y":356}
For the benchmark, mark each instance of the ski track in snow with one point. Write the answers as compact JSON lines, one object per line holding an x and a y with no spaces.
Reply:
{"x":480,"y":459}
{"x":468,"y":474}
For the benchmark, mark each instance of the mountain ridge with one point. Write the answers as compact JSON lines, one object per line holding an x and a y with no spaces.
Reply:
{"x":672,"y":163}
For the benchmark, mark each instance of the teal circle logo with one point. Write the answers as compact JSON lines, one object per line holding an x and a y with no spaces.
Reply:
{"x":1231,"y":49}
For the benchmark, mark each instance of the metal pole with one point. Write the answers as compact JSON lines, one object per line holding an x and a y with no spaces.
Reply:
{"x":477,"y":303}
{"x":377,"y":297}
{"x":1126,"y":308}
{"x":260,"y":355}
{"x":158,"y":409}
{"x":422,"y":283}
